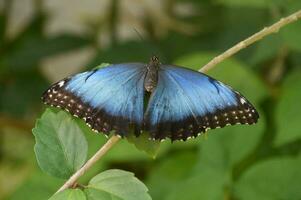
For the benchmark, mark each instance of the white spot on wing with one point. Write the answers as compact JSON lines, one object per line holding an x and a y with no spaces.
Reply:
{"x":242,"y":100}
{"x":61,"y":83}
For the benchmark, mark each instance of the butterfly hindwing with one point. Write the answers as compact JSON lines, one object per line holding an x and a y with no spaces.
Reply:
{"x":109,"y":98}
{"x":186,"y":103}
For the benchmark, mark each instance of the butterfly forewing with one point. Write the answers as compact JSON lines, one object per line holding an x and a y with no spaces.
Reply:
{"x":108,"y":99}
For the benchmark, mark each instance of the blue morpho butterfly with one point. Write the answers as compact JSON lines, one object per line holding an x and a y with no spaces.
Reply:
{"x":167,"y":101}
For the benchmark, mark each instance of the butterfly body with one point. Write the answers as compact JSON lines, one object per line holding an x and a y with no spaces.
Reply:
{"x":151,"y":77}
{"x":182,"y":103}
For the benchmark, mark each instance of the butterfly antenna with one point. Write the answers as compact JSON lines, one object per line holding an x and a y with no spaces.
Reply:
{"x":143,"y":40}
{"x":140,"y":36}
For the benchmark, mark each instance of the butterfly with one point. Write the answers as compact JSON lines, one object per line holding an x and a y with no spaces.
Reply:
{"x":166,"y":101}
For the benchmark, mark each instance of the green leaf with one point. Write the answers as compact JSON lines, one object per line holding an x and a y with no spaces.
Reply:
{"x":277,"y":178}
{"x":61,"y":147}
{"x":151,"y":147}
{"x":70,"y":194}
{"x":118,"y":185}
{"x":288,"y":112}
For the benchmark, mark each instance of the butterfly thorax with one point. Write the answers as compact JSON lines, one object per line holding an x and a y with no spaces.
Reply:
{"x":151,"y":78}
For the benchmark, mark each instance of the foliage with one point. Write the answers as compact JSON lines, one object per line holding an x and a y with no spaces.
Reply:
{"x":61,"y":147}
{"x":239,"y":162}
{"x":110,"y":184}
{"x":283,"y":171}
{"x":143,"y":143}
{"x":287,"y":110}
{"x":69,"y":194}
{"x":61,"y":150}
{"x":116,"y":184}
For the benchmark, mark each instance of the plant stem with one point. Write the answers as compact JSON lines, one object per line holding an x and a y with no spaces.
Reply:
{"x":99,"y":154}
{"x":252,"y":39}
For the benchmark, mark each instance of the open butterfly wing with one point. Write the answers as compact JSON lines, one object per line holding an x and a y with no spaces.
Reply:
{"x":186,"y":103}
{"x":108,"y":99}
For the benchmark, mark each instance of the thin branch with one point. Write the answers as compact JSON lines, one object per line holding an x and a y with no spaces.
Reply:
{"x":254,"y":38}
{"x":99,"y":154}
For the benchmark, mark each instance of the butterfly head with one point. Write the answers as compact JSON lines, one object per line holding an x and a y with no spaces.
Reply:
{"x":154,"y":61}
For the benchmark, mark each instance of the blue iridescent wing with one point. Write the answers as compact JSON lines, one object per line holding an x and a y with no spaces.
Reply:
{"x":186,"y":103}
{"x":109,"y":98}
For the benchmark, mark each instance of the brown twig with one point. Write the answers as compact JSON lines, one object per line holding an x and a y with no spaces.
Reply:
{"x":102,"y":151}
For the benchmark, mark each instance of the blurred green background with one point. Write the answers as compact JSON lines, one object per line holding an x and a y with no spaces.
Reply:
{"x":44,"y":41}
